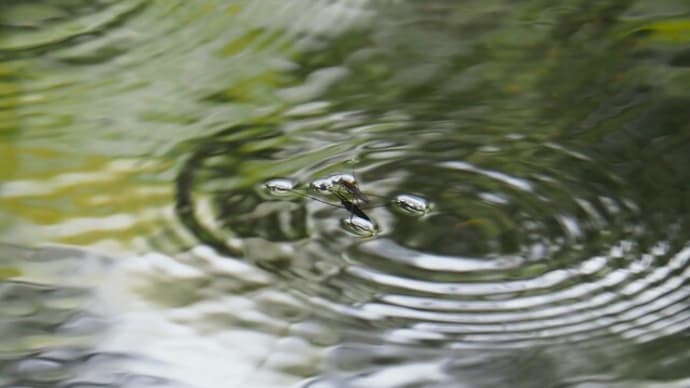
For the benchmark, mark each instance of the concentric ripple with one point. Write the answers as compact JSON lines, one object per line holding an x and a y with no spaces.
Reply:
{"x":502,"y":256}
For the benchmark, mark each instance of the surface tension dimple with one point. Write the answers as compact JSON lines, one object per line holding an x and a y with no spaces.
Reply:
{"x":280,"y":186}
{"x":412,"y":204}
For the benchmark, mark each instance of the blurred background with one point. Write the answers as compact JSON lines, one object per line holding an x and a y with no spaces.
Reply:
{"x":547,"y":139}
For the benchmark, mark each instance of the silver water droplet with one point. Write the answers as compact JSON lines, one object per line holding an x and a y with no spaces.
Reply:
{"x":412,"y":204}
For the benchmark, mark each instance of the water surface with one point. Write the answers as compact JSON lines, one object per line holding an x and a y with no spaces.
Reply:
{"x":524,"y":166}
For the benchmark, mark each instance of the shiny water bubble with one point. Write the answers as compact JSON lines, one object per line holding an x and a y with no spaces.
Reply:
{"x":412,"y":204}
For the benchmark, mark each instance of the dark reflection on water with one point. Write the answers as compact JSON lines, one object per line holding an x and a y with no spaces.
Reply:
{"x":526,"y":164}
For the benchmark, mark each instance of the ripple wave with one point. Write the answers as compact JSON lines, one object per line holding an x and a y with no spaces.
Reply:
{"x":509,"y":255}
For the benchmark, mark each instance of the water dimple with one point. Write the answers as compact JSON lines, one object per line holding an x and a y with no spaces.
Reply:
{"x":360,"y":226}
{"x":279,"y":186}
{"x":323,"y":185}
{"x":412,"y":204}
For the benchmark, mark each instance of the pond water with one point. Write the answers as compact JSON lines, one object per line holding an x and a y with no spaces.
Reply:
{"x":344,"y":193}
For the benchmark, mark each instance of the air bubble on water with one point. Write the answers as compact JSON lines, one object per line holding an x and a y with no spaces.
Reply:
{"x":412,"y":204}
{"x":279,"y":186}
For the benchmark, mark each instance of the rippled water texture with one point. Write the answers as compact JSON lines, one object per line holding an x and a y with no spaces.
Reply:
{"x":345,"y":193}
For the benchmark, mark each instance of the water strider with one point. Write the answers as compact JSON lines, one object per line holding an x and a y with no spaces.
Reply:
{"x":345,"y":189}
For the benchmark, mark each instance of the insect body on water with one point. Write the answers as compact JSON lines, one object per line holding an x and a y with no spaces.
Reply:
{"x":352,"y":207}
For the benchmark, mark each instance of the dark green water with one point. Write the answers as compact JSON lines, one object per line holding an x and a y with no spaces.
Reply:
{"x":525,"y":166}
